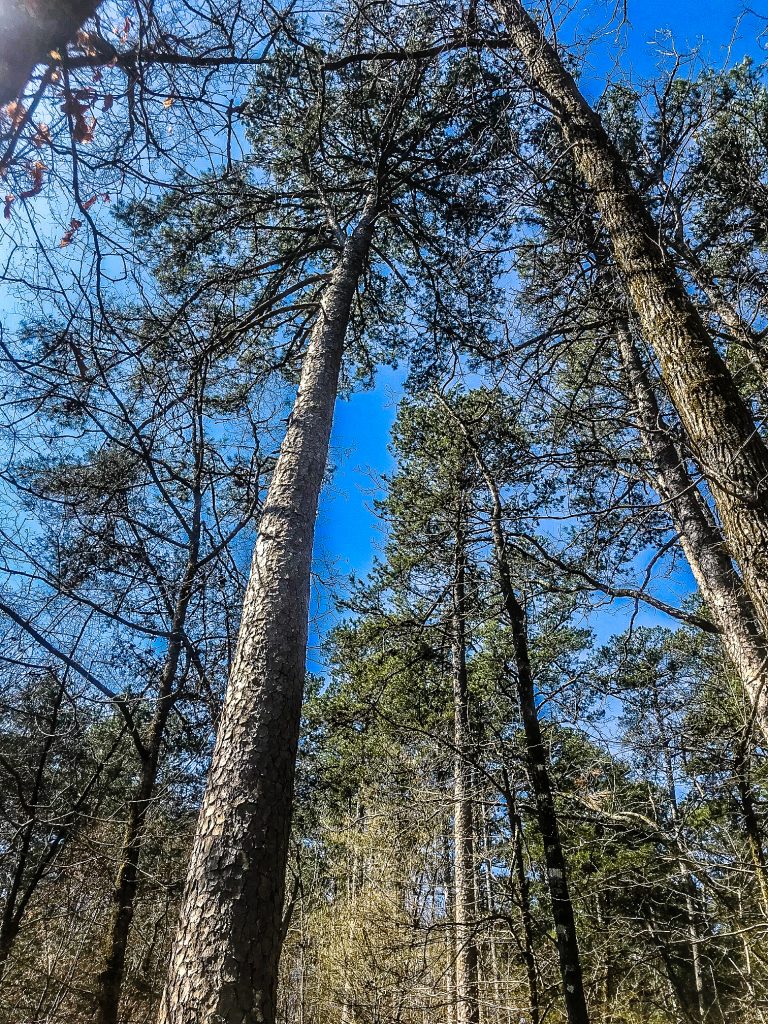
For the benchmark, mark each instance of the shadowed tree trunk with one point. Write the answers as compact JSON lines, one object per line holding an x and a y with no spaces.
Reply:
{"x":546,"y":813}
{"x":700,"y":538}
{"x":536,"y":756}
{"x":751,"y":823}
{"x":223,"y":965}
{"x":29,"y":30}
{"x":529,"y":956}
{"x":718,"y":424}
{"x":467,"y":985}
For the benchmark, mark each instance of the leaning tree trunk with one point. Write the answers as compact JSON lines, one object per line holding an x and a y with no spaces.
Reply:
{"x":224,"y":962}
{"x":700,"y":538}
{"x":465,"y":911}
{"x":29,"y":31}
{"x":719,"y":426}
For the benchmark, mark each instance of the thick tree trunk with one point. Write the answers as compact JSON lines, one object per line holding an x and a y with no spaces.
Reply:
{"x":224,"y":962}
{"x":29,"y":30}
{"x":701,"y":541}
{"x":721,"y":431}
{"x":467,"y":987}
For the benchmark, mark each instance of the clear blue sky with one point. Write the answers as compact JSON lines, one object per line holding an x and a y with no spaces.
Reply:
{"x":348,"y":533}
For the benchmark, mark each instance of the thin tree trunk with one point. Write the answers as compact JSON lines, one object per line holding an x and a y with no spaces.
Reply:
{"x":689,"y":887}
{"x":755,"y":343}
{"x":30,"y":31}
{"x":538,"y":767}
{"x":529,"y":956}
{"x":720,"y":429}
{"x":554,"y":858}
{"x":702,"y":543}
{"x":467,"y":987}
{"x":450,"y":930}
{"x":489,"y":909}
{"x":606,"y":980}
{"x":751,"y":824}
{"x":18,"y":894}
{"x":676,"y":989}
{"x":224,"y":962}
{"x":110,"y":981}
{"x":354,"y":884}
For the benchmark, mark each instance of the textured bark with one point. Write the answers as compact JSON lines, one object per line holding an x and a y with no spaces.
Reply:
{"x":29,"y":30}
{"x":467,"y":986}
{"x":700,"y":539}
{"x":223,"y":965}
{"x":718,"y":424}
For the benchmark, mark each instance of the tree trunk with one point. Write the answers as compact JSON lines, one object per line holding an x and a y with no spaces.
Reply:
{"x":450,"y":930}
{"x":110,"y":981}
{"x":355,"y":880}
{"x":546,"y":814}
{"x":538,"y":767}
{"x":751,"y":824}
{"x":467,"y":986}
{"x":224,"y":962}
{"x":529,"y":956}
{"x":721,"y":431}
{"x":20,"y":889}
{"x":29,"y":30}
{"x":689,"y":886}
{"x":488,"y":909}
{"x":700,"y":538}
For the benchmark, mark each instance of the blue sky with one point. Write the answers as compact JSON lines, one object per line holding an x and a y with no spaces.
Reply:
{"x":348,"y":533}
